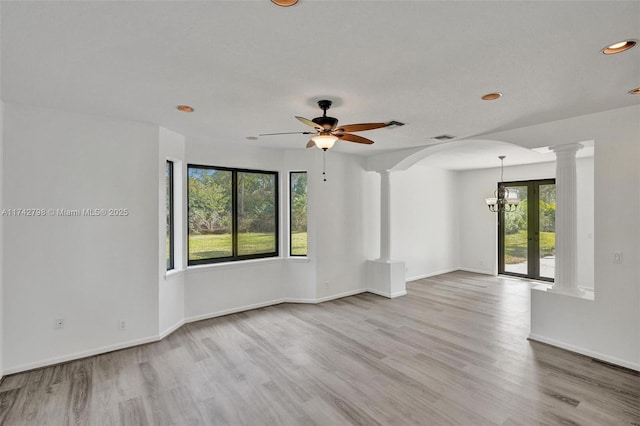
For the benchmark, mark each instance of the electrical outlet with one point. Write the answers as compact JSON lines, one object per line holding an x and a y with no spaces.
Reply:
{"x":617,"y":257}
{"x":58,"y":323}
{"x":122,"y":324}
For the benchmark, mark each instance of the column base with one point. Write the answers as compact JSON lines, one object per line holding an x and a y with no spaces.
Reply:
{"x":386,"y":278}
{"x":569,"y":292}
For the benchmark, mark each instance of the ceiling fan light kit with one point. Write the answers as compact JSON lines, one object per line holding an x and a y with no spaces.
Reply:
{"x":324,"y":142}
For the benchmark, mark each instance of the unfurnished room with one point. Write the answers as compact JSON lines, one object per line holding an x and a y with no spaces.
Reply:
{"x":318,"y":212}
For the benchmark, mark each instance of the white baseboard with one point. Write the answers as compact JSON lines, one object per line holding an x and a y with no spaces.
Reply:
{"x":388,"y":295}
{"x":79,"y":355}
{"x":593,"y":354}
{"x":446,"y":271}
{"x":476,"y":271}
{"x":233,"y":310}
{"x":431,"y":274}
{"x":271,"y":303}
{"x":326,"y":298}
{"x":171,"y":329}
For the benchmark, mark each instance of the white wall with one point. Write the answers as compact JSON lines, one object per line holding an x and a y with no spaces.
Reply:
{"x":1,"y":217}
{"x":1,"y":240}
{"x":371,"y":219}
{"x":220,"y":288}
{"x":424,"y":220}
{"x":479,"y":226}
{"x":171,"y":284}
{"x":336,"y":230}
{"x":609,"y":327}
{"x":339,"y":225}
{"x":91,"y":271}
{"x":300,"y":283}
{"x":585,"y":221}
{"x":335,"y":262}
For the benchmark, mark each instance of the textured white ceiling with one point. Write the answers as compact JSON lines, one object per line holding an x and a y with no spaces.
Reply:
{"x":249,"y":66}
{"x":483,"y":154}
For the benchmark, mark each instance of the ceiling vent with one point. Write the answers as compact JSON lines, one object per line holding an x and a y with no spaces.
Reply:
{"x":443,"y":138}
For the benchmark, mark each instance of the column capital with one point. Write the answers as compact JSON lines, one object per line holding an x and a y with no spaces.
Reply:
{"x":570,"y":147}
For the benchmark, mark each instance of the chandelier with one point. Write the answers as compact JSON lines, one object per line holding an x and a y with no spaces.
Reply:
{"x":502,"y":201}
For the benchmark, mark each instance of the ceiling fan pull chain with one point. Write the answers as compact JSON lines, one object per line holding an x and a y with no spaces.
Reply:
{"x":324,"y":165}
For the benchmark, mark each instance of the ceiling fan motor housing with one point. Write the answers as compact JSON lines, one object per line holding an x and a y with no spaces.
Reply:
{"x":327,"y":123}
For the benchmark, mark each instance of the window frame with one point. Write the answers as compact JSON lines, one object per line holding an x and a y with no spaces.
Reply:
{"x":533,"y":229}
{"x":291,"y":173}
{"x":234,"y":216}
{"x":171,"y":213}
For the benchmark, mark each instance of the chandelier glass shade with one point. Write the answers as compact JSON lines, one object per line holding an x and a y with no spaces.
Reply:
{"x":503,"y":200}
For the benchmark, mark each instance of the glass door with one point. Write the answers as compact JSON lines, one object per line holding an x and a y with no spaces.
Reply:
{"x":516,"y":234}
{"x":526,"y":235}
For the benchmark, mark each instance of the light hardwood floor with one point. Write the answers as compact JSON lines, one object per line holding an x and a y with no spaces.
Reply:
{"x":454,"y":351}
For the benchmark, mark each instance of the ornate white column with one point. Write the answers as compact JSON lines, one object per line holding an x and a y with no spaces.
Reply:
{"x":566,"y":270}
{"x":385,"y":216}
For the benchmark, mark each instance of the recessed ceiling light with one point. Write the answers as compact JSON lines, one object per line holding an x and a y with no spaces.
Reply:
{"x":285,"y":3}
{"x":635,"y":91}
{"x":618,"y":47}
{"x":492,"y":96}
{"x":185,"y":108}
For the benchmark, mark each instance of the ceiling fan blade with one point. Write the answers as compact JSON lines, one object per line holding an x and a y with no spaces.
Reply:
{"x":309,"y":123}
{"x":287,"y":133}
{"x":360,"y":127}
{"x":311,"y":144}
{"x":353,"y":138}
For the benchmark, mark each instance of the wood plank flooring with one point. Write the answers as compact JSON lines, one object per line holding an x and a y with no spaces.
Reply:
{"x":452,"y":352}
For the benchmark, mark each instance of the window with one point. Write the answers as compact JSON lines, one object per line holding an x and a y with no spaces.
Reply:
{"x":170,"y":248}
{"x":298,"y":214}
{"x":233,"y":214}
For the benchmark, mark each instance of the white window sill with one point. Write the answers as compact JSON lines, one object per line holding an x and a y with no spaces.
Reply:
{"x":233,"y":264}
{"x":174,"y":272}
{"x":298,"y":259}
{"x":241,"y":264}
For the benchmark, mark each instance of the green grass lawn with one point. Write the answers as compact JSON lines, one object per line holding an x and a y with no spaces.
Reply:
{"x":516,"y":246}
{"x":209,"y":246}
{"x":299,"y":244}
{"x":254,"y":243}
{"x":219,"y":245}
